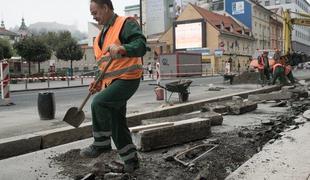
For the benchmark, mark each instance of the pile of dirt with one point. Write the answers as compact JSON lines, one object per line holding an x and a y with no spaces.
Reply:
{"x":247,"y":77}
{"x":233,"y":149}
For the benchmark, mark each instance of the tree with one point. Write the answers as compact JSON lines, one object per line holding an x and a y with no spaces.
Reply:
{"x":51,"y":39}
{"x":68,"y":50}
{"x":33,"y":49}
{"x":6,"y":50}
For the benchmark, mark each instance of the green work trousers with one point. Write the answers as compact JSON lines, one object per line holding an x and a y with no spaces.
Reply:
{"x":109,"y":117}
{"x":279,"y":73}
{"x":291,"y":77}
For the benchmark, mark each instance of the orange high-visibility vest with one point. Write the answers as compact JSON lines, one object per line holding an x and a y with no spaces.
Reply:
{"x":121,"y":68}
{"x":260,"y":62}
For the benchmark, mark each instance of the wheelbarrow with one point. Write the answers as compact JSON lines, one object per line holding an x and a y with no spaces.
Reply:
{"x":181,"y":87}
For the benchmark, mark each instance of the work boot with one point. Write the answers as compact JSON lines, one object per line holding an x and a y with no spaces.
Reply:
{"x":132,"y":165}
{"x":93,"y":151}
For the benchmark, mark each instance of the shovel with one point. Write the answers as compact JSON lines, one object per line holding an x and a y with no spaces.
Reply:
{"x":75,"y":116}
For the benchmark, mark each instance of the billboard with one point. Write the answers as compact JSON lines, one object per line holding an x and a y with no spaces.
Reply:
{"x":188,"y":35}
{"x":240,"y":10}
{"x":238,"y":7}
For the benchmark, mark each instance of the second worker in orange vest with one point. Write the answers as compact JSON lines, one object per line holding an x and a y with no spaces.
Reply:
{"x":119,"y":35}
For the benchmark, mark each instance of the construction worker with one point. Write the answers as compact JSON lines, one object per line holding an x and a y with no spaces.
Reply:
{"x":277,"y":55}
{"x":263,"y":66}
{"x":289,"y":73}
{"x":279,"y":72}
{"x":119,"y":35}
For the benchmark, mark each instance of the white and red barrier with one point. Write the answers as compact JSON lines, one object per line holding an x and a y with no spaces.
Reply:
{"x":5,"y":83}
{"x":52,"y":78}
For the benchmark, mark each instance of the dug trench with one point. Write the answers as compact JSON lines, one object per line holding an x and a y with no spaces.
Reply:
{"x":236,"y":140}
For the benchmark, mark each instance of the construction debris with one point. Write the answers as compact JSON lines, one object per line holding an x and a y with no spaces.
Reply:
{"x":235,"y":107}
{"x":194,"y":153}
{"x":215,"y":89}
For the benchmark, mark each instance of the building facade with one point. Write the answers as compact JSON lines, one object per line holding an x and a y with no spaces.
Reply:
{"x":300,"y":34}
{"x":12,"y":37}
{"x":213,"y":31}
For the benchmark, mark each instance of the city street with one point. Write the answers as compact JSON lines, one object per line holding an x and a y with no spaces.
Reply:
{"x":23,"y":117}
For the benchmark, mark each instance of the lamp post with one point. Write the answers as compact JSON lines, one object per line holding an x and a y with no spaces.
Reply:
{"x":141,"y":25}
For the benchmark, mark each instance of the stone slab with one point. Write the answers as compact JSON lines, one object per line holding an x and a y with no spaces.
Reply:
{"x":215,"y":118}
{"x":241,"y":108}
{"x":299,"y":91}
{"x":64,"y":135}
{"x":14,"y":146}
{"x":150,"y":126}
{"x":181,"y":132}
{"x":280,"y":95}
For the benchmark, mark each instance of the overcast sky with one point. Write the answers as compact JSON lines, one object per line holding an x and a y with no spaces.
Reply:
{"x":71,"y":12}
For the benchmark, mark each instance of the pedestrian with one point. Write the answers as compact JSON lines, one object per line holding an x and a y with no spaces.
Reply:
{"x":150,"y":70}
{"x":119,"y":35}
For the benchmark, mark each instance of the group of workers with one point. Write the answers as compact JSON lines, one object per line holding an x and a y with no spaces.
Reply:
{"x":277,"y":70}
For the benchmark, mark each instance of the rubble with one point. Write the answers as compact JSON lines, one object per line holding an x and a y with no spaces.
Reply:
{"x":236,"y":106}
{"x":234,"y":147}
{"x":306,"y":115}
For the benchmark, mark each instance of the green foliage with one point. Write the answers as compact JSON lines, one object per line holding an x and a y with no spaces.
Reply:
{"x":51,"y":39}
{"x":68,"y":49}
{"x":33,"y":49}
{"x":6,"y":50}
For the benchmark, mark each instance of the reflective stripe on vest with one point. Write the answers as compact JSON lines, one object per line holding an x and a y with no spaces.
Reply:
{"x":122,"y":71}
{"x":107,"y":58}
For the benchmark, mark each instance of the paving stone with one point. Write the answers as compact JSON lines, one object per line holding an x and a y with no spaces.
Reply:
{"x":181,"y":132}
{"x":215,"y":118}
{"x":242,"y":108}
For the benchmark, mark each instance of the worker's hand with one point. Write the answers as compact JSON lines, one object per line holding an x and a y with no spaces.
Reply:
{"x":93,"y":89}
{"x":114,"y":49}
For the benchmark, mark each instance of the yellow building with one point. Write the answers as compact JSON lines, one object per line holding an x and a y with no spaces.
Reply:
{"x":223,"y":36}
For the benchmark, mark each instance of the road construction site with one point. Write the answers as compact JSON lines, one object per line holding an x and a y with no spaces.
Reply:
{"x":236,"y":132}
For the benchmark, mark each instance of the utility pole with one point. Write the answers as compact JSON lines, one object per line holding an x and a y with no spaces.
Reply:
{"x":141,"y":25}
